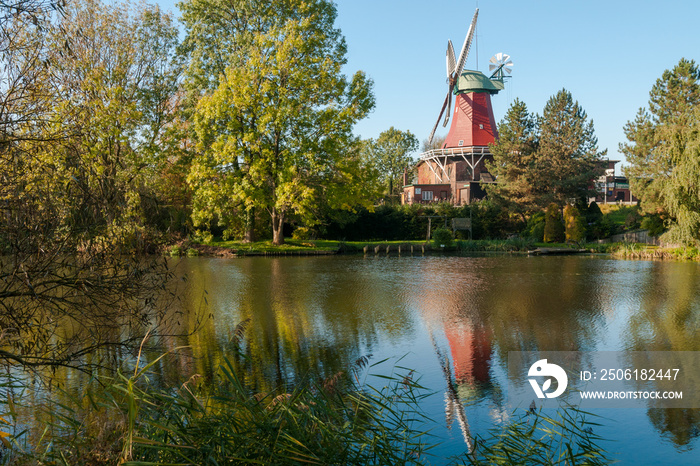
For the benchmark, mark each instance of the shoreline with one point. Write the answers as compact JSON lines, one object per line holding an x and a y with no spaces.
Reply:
{"x":329,"y":248}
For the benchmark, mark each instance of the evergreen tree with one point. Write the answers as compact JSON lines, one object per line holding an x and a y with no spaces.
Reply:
{"x":664,"y":153}
{"x":575,"y":227}
{"x":520,"y":185}
{"x":568,"y":150}
{"x":554,"y":226}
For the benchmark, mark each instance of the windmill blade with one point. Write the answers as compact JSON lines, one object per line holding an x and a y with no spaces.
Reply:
{"x":449,"y":107}
{"x":448,"y":99}
{"x":467,"y":44}
{"x":450,"y":58}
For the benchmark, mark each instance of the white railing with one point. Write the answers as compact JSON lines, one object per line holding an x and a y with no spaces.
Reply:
{"x":469,"y":150}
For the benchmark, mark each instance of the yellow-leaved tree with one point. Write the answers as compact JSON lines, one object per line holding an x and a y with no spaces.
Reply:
{"x":274,"y":119}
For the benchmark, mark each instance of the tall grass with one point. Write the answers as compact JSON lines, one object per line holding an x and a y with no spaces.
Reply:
{"x":568,"y":438}
{"x":340,"y":420}
{"x":643,"y":251}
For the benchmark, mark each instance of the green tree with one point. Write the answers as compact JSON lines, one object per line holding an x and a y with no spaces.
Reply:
{"x":77,"y":177}
{"x":663,"y":151}
{"x":568,"y":150}
{"x":554,"y":226}
{"x":574,"y":223}
{"x":269,"y":137}
{"x":520,"y":182}
{"x":391,"y":154}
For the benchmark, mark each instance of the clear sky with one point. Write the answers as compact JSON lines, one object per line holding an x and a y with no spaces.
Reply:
{"x":608,"y":54}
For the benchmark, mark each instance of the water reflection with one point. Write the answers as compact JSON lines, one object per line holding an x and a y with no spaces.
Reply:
{"x":312,"y":317}
{"x":668,"y":319}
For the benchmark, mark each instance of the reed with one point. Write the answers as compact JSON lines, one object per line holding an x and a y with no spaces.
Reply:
{"x":566,"y":438}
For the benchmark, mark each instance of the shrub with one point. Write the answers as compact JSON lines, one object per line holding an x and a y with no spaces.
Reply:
{"x":574,"y":223}
{"x":535,"y":227}
{"x":442,"y":237}
{"x":554,"y":227}
{"x":654,"y":224}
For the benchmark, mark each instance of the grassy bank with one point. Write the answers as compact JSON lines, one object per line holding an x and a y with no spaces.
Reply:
{"x":312,"y":247}
{"x":327,"y":247}
{"x":645,"y":251}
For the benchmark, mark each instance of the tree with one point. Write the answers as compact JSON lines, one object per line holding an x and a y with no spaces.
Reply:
{"x":574,"y":223}
{"x":391,"y":155}
{"x":515,"y":164}
{"x":554,"y":226}
{"x":663,"y":151}
{"x":568,"y":150}
{"x":436,"y":143}
{"x":76,"y":171}
{"x":269,"y":137}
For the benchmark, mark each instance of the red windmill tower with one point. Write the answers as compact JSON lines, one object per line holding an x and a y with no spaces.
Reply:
{"x":456,"y":171}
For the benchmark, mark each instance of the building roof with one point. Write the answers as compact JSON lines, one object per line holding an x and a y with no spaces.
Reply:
{"x":476,"y":81}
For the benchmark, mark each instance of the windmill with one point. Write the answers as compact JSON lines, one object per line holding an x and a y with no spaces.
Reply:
{"x":473,"y":122}
{"x":458,"y":171}
{"x":454,"y":69}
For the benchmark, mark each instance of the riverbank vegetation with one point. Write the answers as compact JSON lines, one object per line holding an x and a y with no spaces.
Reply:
{"x":130,"y":420}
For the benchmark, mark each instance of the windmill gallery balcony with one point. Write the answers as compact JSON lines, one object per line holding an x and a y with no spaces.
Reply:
{"x":452,"y":174}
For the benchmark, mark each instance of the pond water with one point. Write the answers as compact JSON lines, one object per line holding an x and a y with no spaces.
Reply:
{"x":456,"y":318}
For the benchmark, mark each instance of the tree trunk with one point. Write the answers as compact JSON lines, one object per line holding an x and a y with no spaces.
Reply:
{"x":249,"y":236}
{"x":277,"y":224}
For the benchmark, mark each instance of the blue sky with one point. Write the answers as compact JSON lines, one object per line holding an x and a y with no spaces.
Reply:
{"x":608,"y":54}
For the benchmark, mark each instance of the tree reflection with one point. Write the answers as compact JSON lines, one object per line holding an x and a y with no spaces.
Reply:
{"x":668,"y":319}
{"x":301,"y":324}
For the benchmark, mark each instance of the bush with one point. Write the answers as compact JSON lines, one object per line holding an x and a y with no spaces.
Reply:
{"x":535,"y":227}
{"x":574,"y":223}
{"x":654,"y":224}
{"x":442,"y":238}
{"x":554,"y":226}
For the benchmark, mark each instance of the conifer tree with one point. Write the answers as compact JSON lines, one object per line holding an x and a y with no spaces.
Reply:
{"x":575,"y":227}
{"x":554,"y":226}
{"x":568,"y":150}
{"x":515,"y":162}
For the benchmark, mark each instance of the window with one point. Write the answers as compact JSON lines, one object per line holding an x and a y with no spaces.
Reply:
{"x":427,"y":195}
{"x":418,"y":190}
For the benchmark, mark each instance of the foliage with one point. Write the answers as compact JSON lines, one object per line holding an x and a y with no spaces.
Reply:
{"x":664,"y":149}
{"x":339,"y":420}
{"x":270,"y":138}
{"x":79,"y":151}
{"x":554,"y":225}
{"x":575,"y":228}
{"x":442,"y":238}
{"x":391,"y":154}
{"x":410,"y":222}
{"x":535,"y":227}
{"x":515,"y":163}
{"x":535,"y":438}
{"x":654,"y":224}
{"x":542,"y":160}
{"x":568,"y":144}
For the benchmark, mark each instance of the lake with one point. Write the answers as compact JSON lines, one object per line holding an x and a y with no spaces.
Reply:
{"x":449,"y":317}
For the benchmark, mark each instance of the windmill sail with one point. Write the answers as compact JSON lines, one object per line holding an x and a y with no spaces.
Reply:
{"x":467,"y":45}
